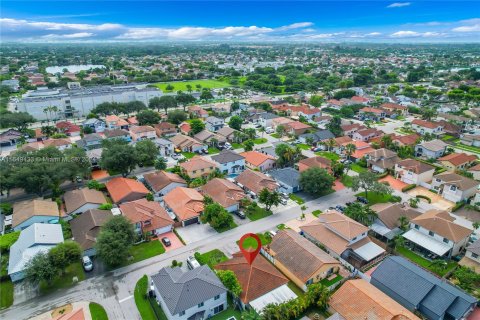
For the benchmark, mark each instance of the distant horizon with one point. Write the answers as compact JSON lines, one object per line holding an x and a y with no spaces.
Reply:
{"x":386,"y":22}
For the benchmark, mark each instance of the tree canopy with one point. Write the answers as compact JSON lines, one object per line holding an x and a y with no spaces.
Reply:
{"x":115,"y":240}
{"x":316,"y":180}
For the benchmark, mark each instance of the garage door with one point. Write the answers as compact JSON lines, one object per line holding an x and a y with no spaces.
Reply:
{"x":191,"y":221}
{"x":164,"y":230}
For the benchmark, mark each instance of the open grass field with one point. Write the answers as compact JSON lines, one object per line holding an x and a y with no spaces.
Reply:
{"x":182,"y":85}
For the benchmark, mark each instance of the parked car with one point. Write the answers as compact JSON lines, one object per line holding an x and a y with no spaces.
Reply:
{"x":272,"y":233}
{"x":283,"y":201}
{"x":340,"y":208}
{"x":362,"y":200}
{"x":87,"y":263}
{"x":240,"y":214}
{"x":192,"y":263}
{"x":166,"y":242}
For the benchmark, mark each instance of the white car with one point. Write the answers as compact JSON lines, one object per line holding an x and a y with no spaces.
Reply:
{"x":87,"y":263}
{"x":192,"y":263}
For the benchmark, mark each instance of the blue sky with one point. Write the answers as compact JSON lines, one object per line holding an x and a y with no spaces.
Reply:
{"x":303,"y":21}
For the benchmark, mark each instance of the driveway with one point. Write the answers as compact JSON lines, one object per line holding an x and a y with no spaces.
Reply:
{"x":295,"y":224}
{"x":394,"y":183}
{"x":437,"y":201}
{"x":176,"y":243}
{"x":196,"y":232}
{"x":338,"y":185}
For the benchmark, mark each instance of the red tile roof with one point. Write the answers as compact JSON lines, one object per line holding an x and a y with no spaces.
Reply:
{"x":120,"y":188}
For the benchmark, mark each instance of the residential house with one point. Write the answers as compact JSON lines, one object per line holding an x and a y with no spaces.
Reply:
{"x":450,"y":128}
{"x":227,"y":133}
{"x":96,"y":124}
{"x":198,"y":112}
{"x":409,"y":140}
{"x":315,"y":137}
{"x":472,"y":257}
{"x":470,"y":140}
{"x":118,"y":134}
{"x":341,"y":143}
{"x":214,"y":124}
{"x":165,"y":129}
{"x":115,"y":122}
{"x":299,"y":259}
{"x":288,"y":179}
{"x":395,"y":108}
{"x":373,"y":114}
{"x":210,"y":138}
{"x":315,"y":162}
{"x":475,"y":170}
{"x":381,"y":160}
{"x":388,"y":223}
{"x":192,"y":294}
{"x":165,"y":147}
{"x":350,"y":129}
{"x":343,"y":237}
{"x":361,"y":149}
{"x":421,"y":291}
{"x":32,"y":146}
{"x":413,"y":171}
{"x":185,"y":128}
{"x":28,"y":212}
{"x":266,"y":119}
{"x":142,"y":133}
{"x":423,"y":127}
{"x":261,"y":282}
{"x":457,"y":161}
{"x":198,"y":167}
{"x":433,"y":149}
{"x":297,"y":128}
{"x":94,"y":156}
{"x":254,"y":181}
{"x":186,"y":204}
{"x":81,"y":200}
{"x":68,"y":128}
{"x":229,"y":162}
{"x":358,"y":299}
{"x":132,"y":121}
{"x":162,"y":182}
{"x":124,"y":190}
{"x":280,"y":121}
{"x":436,"y":233}
{"x":259,"y":161}
{"x":34,"y":239}
{"x":187,"y":144}
{"x":366,"y":134}
{"x":454,"y":187}
{"x":147,"y":217}
{"x":224,"y":192}
{"x":90,"y":142}
{"x":86,"y":228}
{"x":61,"y":144}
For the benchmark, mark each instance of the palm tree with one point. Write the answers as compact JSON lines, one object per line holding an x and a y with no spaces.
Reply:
{"x":330,"y":144}
{"x":399,"y":241}
{"x":403,"y":220}
{"x":476,"y":225}
{"x":350,"y":149}
{"x":46,"y":110}
{"x":250,"y":315}
{"x":54,"y":110}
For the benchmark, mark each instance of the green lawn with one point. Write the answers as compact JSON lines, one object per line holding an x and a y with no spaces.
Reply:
{"x":355,"y":167}
{"x":276,"y":135}
{"x":316,"y":213}
{"x":252,"y":243}
{"x":213,"y":151}
{"x":182,"y":85}
{"x":467,"y":148}
{"x":303,"y":146}
{"x":97,"y":311}
{"x":140,"y":296}
{"x":236,"y":145}
{"x":427,"y":264}
{"x":329,"y":155}
{"x":346,"y":181}
{"x":223,"y":229}
{"x":6,"y":294}
{"x":146,"y":250}
{"x":447,"y":137}
{"x":228,"y":313}
{"x":296,"y":198}
{"x":260,"y":140}
{"x":298,"y":291}
{"x":64,"y":281}
{"x":7,"y":240}
{"x":257,"y":214}
{"x":374,"y":198}
{"x":328,"y":283}
{"x":188,"y":155}
{"x":281,"y":226}
{"x":211,"y":258}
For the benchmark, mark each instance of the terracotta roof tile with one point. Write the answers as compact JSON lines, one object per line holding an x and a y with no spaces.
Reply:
{"x":120,"y":188}
{"x":458,"y":158}
{"x":440,"y":222}
{"x":184,"y":202}
{"x":256,"y":181}
{"x":143,"y":210}
{"x":223,"y":191}
{"x":256,"y":158}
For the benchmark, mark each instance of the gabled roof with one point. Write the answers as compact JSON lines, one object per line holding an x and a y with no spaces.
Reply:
{"x":433,"y":145}
{"x":197,"y":163}
{"x":441,"y":223}
{"x":113,"y":133}
{"x":475,"y":247}
{"x":319,"y":135}
{"x":300,"y":256}
{"x":416,"y":166}
{"x":458,"y":159}
{"x":38,"y":237}
{"x":160,"y":179}
{"x":141,"y":129}
{"x":358,"y":299}
{"x":223,"y":191}
{"x":256,"y":158}
{"x":426,"y":124}
{"x":461,"y":182}
{"x":226,"y":156}
{"x":181,"y":290}
{"x":256,"y":181}
{"x":226,"y":131}
{"x":288,"y":176}
{"x":256,"y":279}
{"x":22,"y":211}
{"x":317,"y":162}
{"x":401,"y":279}
{"x":143,"y":210}
{"x":390,"y":213}
{"x":86,"y":227}
{"x":119,"y":188}
{"x":74,"y":199}
{"x":408,"y":140}
{"x":184,"y":202}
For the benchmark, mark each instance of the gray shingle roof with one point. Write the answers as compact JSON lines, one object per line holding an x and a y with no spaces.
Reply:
{"x":319,"y":135}
{"x":421,"y":288}
{"x":227,"y":156}
{"x":288,"y":176}
{"x":182,"y":290}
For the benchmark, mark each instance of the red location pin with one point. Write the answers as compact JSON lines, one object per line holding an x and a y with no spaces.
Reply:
{"x":249,"y":253}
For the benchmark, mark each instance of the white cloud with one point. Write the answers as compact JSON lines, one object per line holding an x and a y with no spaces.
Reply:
{"x":415,"y":34}
{"x":472,"y":28}
{"x":77,"y":35}
{"x":373,"y":34}
{"x":297,"y":25}
{"x":399,"y":4}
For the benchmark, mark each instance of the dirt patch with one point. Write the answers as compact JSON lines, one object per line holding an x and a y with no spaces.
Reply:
{"x":437,"y":200}
{"x":62,"y":310}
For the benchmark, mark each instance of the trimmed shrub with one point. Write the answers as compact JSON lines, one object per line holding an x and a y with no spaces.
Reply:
{"x":458,"y":206}
{"x":421,"y":196}
{"x":382,"y":175}
{"x":409,"y":187}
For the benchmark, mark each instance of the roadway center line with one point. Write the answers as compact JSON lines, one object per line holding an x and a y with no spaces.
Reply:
{"x":125,"y":299}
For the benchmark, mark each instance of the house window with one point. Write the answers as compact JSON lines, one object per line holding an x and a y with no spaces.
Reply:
{"x":474,"y":255}
{"x":216,"y":297}
{"x":430,"y":233}
{"x":182,"y":313}
{"x":354,"y":238}
{"x":218,"y":309}
{"x":453,"y":188}
{"x":445,"y":240}
{"x":200,"y":304}
{"x":438,"y":180}
{"x":417,"y":227}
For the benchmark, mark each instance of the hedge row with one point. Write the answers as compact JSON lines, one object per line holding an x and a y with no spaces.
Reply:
{"x":409,"y":187}
{"x":458,"y":206}
{"x":421,"y":196}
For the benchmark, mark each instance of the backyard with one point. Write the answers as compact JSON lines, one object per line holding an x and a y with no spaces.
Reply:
{"x":182,"y":85}
{"x":427,"y":264}
{"x":265,"y":239}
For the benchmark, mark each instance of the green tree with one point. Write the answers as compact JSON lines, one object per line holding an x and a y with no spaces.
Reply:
{"x":317,"y":294}
{"x":248,"y":145}
{"x":177,"y":116}
{"x":235,"y":122}
{"x":119,"y":157}
{"x":17,"y":120}
{"x":40,"y":268}
{"x":115,"y":240}
{"x":230,"y":281}
{"x":360,"y":213}
{"x":216,"y":216}
{"x":316,"y":101}
{"x":148,"y":117}
{"x":281,"y":130}
{"x":184,"y":99}
{"x":160,"y":163}
{"x":365,"y":180}
{"x":335,"y":126}
{"x":134,"y":106}
{"x":206,"y":95}
{"x":316,"y":181}
{"x":269,"y":198}
{"x":64,"y":254}
{"x":338,"y":169}
{"x":146,"y":152}
{"x":197,"y":125}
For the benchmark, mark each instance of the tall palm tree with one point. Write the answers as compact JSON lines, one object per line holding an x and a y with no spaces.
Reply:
{"x":330,"y":144}
{"x":350,"y":149}
{"x":403,"y":220}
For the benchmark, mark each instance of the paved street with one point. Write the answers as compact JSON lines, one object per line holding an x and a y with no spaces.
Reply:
{"x":115,"y":289}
